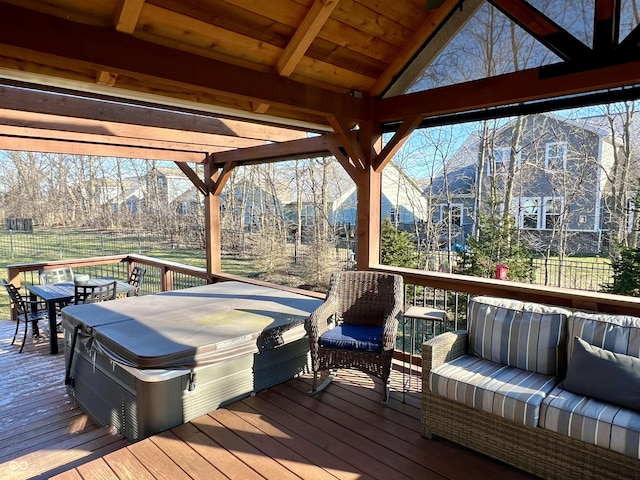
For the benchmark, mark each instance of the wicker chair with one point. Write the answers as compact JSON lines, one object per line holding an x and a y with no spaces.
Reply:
{"x":356,"y":326}
{"x":26,"y":310}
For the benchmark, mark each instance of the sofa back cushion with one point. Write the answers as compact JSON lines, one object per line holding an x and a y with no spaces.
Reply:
{"x":616,"y":333}
{"x":529,"y":336}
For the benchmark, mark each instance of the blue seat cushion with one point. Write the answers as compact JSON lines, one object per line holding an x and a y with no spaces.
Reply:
{"x":353,"y":337}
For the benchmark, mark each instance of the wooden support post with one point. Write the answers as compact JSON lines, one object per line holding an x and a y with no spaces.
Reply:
{"x":215,"y":179}
{"x":369,"y":207}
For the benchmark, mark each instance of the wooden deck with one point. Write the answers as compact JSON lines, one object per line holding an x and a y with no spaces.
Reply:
{"x":282,"y":433}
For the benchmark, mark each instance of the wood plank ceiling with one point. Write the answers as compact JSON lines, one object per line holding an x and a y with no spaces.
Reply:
{"x":306,"y":65}
{"x":278,"y":67}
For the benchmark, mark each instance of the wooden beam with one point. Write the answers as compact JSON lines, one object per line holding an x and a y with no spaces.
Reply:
{"x":631,"y":42}
{"x":54,"y":41}
{"x":127,"y":15}
{"x":606,"y":27}
{"x":124,"y":133}
{"x":292,"y":150}
{"x":221,"y":177}
{"x":97,"y":140}
{"x":304,"y":35}
{"x":212,"y":223}
{"x":545,"y":30}
{"x":193,"y":176}
{"x":216,"y":178}
{"x":27,"y":98}
{"x":395,"y":143}
{"x":348,"y":140}
{"x":427,"y":29}
{"x":511,"y":88}
{"x":368,"y":218}
{"x":106,"y":78}
{"x":78,"y":148}
{"x":345,"y":161}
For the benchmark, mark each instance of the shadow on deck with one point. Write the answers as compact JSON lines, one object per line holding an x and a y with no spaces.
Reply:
{"x":281,"y":433}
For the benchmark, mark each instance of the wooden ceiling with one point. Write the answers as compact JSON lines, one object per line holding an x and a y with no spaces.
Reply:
{"x":241,"y":74}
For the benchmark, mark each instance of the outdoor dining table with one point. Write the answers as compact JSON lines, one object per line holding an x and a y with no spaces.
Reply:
{"x":55,"y":294}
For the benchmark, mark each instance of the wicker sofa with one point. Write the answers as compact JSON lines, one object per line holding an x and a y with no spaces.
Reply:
{"x":504,"y":388}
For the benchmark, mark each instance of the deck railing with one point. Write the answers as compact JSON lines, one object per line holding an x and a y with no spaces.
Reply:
{"x":447,"y":291}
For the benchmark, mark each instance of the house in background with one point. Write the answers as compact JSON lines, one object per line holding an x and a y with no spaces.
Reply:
{"x":160,"y":187}
{"x":558,"y":182}
{"x":403,"y":202}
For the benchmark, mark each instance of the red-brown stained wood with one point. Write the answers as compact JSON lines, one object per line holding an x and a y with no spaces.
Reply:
{"x":342,"y":433}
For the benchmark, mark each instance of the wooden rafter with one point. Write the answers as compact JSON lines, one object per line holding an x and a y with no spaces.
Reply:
{"x":545,"y":30}
{"x":294,"y":149}
{"x":427,"y":29}
{"x":606,"y":26}
{"x":395,"y":143}
{"x":517,"y":87}
{"x":430,"y":51}
{"x":68,"y":147}
{"x":66,"y":107}
{"x":82,"y":129}
{"x":349,"y":141}
{"x":127,"y":15}
{"x":193,"y":176}
{"x":305,"y":34}
{"x":54,"y":41}
{"x":106,"y":78}
{"x":73,"y":138}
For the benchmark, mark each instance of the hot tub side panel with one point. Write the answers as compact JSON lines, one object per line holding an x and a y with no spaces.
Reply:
{"x":122,"y":397}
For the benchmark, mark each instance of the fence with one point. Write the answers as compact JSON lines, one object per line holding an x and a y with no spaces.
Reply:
{"x":58,"y":245}
{"x":582,"y":274}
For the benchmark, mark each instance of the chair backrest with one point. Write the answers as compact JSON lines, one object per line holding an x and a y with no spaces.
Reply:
{"x":56,"y":275}
{"x":136,"y":277}
{"x":367,"y":298}
{"x":16,"y":297}
{"x":95,"y":293}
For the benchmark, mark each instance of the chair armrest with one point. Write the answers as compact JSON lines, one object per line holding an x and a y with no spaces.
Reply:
{"x":444,"y":348}
{"x":441,"y":349}
{"x":319,"y":318}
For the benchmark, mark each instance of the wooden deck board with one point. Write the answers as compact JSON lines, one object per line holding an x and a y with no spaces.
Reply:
{"x":342,"y":433}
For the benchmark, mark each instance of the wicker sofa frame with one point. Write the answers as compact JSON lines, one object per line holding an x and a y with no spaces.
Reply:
{"x":535,"y":450}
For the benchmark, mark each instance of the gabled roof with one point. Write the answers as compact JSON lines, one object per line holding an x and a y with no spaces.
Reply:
{"x":310,"y":65}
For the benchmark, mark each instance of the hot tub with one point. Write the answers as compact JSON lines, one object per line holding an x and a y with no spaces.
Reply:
{"x":147,"y":364}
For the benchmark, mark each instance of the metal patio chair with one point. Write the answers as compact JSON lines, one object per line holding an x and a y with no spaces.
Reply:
{"x":56,"y":275}
{"x":136,"y":278}
{"x":356,"y":326}
{"x":27,"y":310}
{"x":94,"y":293}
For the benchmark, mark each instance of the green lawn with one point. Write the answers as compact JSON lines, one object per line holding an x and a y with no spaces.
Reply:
{"x":230,"y":264}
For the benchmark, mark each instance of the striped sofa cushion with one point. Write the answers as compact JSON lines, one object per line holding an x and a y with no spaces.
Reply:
{"x":592,"y":421}
{"x":511,"y":393}
{"x":617,"y":333}
{"x":528,"y":336}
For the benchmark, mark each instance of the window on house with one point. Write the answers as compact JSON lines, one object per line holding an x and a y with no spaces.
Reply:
{"x":499,"y":160}
{"x":394,"y":215}
{"x":552,"y":213}
{"x":556,"y":156}
{"x":529,"y":213}
{"x":451,"y":214}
